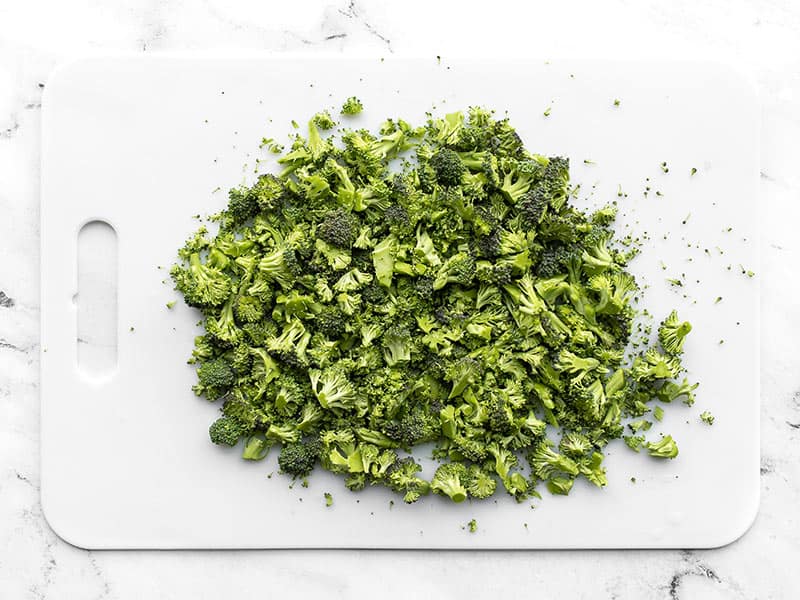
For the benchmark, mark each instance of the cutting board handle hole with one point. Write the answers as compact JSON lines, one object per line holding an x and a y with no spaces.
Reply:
{"x":96,"y":300}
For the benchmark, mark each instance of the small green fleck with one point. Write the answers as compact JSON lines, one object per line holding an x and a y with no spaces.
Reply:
{"x":171,"y":304}
{"x":721,"y":342}
{"x":132,"y":329}
{"x":707,"y":418}
{"x":675,"y":282}
{"x":633,"y":479}
{"x":328,"y":499}
{"x":304,"y":483}
{"x":658,"y":413}
{"x":586,"y":161}
{"x":718,"y":300}
{"x":473,"y":526}
{"x":546,"y":112}
{"x":686,"y":219}
{"x":616,"y":101}
{"x":295,"y":124}
{"x":693,"y":171}
{"x":664,"y":167}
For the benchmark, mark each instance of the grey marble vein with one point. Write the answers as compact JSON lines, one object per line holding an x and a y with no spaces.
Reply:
{"x":6,"y":301}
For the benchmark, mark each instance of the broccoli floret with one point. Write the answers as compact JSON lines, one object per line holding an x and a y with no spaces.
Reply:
{"x":201,"y":284}
{"x":397,"y":346}
{"x":397,"y":221}
{"x":323,"y":120}
{"x":226,"y":431}
{"x":459,"y":268}
{"x":332,"y":389}
{"x":298,"y":458}
{"x":249,"y":309}
{"x":352,"y":106}
{"x":215,"y":377}
{"x":480,"y":484}
{"x":672,"y":333}
{"x":242,"y":205}
{"x":269,"y":192}
{"x":339,"y":228}
{"x":448,"y":167}
{"x":448,"y":481}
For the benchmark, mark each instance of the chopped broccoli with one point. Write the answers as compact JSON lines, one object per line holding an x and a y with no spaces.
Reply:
{"x":433,"y":284}
{"x":352,"y":106}
{"x":226,"y":431}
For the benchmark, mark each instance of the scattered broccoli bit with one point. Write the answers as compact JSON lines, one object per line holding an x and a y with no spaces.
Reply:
{"x":353,"y":312}
{"x":472,"y":526}
{"x":352,"y":106}
{"x":617,"y":102}
{"x":171,"y":304}
{"x":707,"y":418}
{"x":328,"y":499}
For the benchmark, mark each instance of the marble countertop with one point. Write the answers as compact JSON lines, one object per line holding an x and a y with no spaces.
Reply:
{"x":761,"y":36}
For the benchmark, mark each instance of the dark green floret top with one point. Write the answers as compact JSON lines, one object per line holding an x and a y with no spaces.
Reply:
{"x":434,"y":285}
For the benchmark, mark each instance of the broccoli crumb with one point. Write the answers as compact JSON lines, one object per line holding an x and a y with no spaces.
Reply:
{"x":633,"y":479}
{"x":692,"y":172}
{"x":171,"y":304}
{"x":616,"y":101}
{"x":707,"y":418}
{"x":473,"y":526}
{"x":547,"y":111}
{"x":328,"y":499}
{"x":664,"y":167}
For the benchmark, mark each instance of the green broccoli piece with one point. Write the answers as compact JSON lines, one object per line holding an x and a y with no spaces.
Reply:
{"x":298,"y":458}
{"x":447,"y":481}
{"x":672,"y":332}
{"x":226,"y":431}
{"x":664,"y":448}
{"x":339,"y":228}
{"x":352,"y":106}
{"x":448,"y":167}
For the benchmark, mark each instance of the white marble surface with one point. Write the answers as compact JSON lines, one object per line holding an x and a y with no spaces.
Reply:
{"x":762,"y":36}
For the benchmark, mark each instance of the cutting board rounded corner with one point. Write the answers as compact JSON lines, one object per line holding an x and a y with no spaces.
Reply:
{"x":737,"y":529}
{"x":64,"y":525}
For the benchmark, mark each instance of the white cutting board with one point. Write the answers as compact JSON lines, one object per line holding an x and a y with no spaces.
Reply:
{"x":142,"y":143}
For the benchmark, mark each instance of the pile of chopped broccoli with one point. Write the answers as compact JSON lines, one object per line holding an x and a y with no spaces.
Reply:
{"x":353,"y":311}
